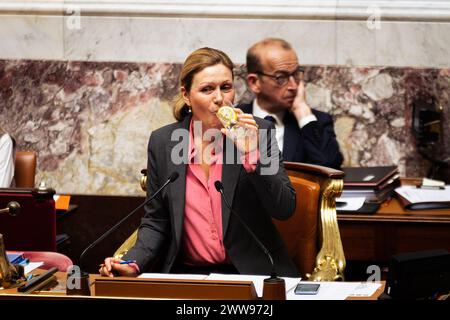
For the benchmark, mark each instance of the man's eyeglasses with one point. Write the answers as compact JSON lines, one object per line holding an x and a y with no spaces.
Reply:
{"x":282,"y":77}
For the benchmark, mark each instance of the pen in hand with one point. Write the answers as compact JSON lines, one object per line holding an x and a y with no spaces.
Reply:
{"x":121,"y":262}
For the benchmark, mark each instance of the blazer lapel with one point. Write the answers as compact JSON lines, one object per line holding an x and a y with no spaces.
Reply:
{"x":247,"y":107}
{"x":230,"y":177}
{"x":175,"y":189}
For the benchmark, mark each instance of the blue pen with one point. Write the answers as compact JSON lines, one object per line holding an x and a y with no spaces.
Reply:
{"x":127,"y":262}
{"x":29,"y":277}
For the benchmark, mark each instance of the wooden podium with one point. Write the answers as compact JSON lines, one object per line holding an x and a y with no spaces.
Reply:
{"x":174,"y":288}
{"x":138,"y":288}
{"x":124,"y":288}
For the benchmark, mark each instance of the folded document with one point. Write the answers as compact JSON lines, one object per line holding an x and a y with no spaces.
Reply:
{"x":415,"y":198}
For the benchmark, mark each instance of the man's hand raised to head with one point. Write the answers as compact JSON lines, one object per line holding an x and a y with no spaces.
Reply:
{"x":300,"y":107}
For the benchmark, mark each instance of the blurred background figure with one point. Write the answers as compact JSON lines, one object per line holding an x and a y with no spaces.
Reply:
{"x":6,"y":159}
{"x":276,"y":78}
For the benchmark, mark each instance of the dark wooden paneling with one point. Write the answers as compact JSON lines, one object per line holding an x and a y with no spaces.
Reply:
{"x":391,"y":230}
{"x":378,"y":241}
{"x":95,"y":215}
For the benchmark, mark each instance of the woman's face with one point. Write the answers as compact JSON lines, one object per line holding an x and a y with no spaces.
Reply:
{"x":211,"y":88}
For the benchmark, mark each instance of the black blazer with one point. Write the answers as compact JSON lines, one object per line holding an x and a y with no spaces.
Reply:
{"x":255,"y":197}
{"x":315,"y":143}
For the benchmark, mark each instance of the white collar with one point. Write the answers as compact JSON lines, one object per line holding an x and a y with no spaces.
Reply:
{"x":261,"y":113}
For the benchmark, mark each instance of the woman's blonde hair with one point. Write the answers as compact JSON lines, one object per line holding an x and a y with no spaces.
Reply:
{"x":196,"y":62}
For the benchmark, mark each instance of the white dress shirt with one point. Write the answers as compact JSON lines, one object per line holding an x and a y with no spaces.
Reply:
{"x":6,"y":161}
{"x":279,"y":125}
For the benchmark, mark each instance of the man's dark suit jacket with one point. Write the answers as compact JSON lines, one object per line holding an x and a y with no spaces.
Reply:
{"x":315,"y":143}
{"x":255,"y":197}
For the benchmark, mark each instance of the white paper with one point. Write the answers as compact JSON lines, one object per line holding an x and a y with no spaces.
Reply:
{"x":31,"y":266}
{"x":352,"y":203}
{"x":336,"y":290}
{"x":415,"y":195}
{"x":432,"y":183}
{"x":258,"y":281}
{"x":173,"y":276}
{"x":365,"y":289}
{"x":327,"y":291}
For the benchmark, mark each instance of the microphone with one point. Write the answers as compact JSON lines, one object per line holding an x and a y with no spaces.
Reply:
{"x":13,"y":208}
{"x":173,"y":176}
{"x":219,"y":188}
{"x":274,"y":287}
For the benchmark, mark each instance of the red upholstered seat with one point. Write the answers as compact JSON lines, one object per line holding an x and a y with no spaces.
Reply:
{"x":50,"y":259}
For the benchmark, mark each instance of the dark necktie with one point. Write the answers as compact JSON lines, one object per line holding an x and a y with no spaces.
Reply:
{"x":271,"y":119}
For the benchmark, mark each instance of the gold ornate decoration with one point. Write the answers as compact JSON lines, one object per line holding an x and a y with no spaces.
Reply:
{"x":330,"y":261}
{"x":143,"y":182}
{"x":9,"y":274}
{"x":127,"y":245}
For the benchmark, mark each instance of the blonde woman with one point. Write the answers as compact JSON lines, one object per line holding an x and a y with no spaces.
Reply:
{"x":187,"y":228}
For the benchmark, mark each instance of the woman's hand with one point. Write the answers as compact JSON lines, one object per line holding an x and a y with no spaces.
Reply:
{"x":244,"y":133}
{"x":112,"y":267}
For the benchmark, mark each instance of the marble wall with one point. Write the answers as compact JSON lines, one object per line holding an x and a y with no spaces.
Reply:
{"x":90,"y":121}
{"x":85,"y":82}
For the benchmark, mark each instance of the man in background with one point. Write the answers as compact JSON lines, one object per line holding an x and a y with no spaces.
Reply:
{"x":276,"y":78}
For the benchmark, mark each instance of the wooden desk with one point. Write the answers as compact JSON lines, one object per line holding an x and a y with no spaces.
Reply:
{"x":391,"y":230}
{"x":58,"y":292}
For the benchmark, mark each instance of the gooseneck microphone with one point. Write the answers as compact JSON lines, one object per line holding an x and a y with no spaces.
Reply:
{"x":274,"y":288}
{"x":13,"y":208}
{"x":173,"y":176}
{"x":219,"y":188}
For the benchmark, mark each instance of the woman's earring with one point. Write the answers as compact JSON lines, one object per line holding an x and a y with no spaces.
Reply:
{"x":189,"y":109}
